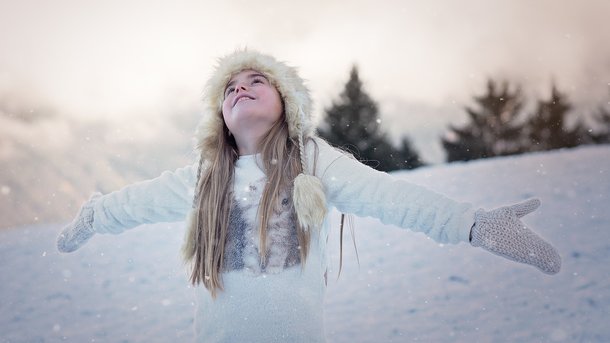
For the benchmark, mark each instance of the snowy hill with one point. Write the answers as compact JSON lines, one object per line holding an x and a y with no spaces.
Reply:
{"x":133,"y":288}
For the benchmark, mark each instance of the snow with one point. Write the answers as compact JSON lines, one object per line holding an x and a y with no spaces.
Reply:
{"x":133,"y":287}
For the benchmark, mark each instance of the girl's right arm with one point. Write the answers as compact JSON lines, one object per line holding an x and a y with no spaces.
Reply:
{"x":166,"y":198}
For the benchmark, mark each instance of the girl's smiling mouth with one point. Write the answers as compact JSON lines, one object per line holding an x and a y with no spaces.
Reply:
{"x":242,"y":97}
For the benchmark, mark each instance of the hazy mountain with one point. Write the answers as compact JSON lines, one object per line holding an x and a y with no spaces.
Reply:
{"x":52,"y":163}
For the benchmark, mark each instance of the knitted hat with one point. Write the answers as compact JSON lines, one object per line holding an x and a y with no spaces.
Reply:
{"x":308,"y":195}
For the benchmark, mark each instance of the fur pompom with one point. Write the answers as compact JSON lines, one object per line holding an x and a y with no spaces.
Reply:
{"x":188,"y":248}
{"x":309,"y":201}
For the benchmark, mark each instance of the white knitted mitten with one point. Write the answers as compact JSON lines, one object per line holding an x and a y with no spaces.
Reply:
{"x":77,"y":233}
{"x":501,"y":232}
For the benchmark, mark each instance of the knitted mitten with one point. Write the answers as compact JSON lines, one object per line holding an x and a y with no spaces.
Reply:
{"x":77,"y":233}
{"x":501,"y":232}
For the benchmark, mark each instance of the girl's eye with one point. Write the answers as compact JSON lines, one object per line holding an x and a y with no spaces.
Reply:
{"x":229,"y":90}
{"x":257,"y":80}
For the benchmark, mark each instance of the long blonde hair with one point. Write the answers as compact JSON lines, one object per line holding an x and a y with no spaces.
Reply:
{"x":205,"y":246}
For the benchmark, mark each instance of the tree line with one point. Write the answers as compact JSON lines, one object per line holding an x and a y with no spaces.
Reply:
{"x":498,"y":126}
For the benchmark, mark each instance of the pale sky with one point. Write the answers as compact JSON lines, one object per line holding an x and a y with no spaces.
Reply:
{"x":421,"y":60}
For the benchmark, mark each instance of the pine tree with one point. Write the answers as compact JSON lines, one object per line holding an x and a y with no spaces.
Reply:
{"x":547,"y":127}
{"x":406,"y":157}
{"x":602,"y":118}
{"x":353,"y":123}
{"x":493,"y":129}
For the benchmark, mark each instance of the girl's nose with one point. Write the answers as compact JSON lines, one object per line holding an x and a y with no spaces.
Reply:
{"x":240,"y":87}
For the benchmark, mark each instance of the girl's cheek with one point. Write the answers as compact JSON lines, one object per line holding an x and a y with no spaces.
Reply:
{"x":226,"y":102}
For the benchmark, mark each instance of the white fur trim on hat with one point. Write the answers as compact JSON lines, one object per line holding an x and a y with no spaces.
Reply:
{"x":294,"y":93}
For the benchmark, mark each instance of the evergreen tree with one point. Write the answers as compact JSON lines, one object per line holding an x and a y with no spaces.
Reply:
{"x":602,"y":118}
{"x":406,"y":157}
{"x":547,"y":128}
{"x":353,"y":123}
{"x":493,"y":129}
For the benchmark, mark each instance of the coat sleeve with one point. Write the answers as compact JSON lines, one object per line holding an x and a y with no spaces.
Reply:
{"x":353,"y":187}
{"x":167,"y":198}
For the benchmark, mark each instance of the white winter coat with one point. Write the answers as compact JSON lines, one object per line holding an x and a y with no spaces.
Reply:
{"x":285,"y":304}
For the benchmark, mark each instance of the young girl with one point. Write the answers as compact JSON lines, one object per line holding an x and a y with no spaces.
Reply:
{"x":256,"y":204}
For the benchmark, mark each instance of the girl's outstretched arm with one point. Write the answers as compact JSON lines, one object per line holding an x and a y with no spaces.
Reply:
{"x":166,"y":198}
{"x":353,"y":187}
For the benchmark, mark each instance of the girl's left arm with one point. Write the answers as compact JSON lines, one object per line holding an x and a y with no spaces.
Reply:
{"x":353,"y":187}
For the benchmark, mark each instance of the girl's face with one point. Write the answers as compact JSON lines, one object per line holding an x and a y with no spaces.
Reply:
{"x":251,"y":106}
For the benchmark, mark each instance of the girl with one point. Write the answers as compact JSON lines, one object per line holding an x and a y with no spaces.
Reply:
{"x":256,"y":203}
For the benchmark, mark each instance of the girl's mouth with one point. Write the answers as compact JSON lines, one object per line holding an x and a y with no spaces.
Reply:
{"x":242,"y":97}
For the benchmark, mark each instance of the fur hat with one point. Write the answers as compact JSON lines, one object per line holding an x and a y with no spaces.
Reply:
{"x":308,"y":194}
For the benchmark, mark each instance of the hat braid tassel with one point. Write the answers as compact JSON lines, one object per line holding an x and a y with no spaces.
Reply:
{"x":308,"y":196}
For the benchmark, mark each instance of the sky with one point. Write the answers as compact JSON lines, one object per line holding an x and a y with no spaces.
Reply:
{"x":423,"y":61}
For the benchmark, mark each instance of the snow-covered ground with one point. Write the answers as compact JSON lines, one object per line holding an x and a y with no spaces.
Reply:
{"x":133,"y":287}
